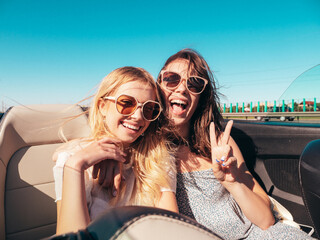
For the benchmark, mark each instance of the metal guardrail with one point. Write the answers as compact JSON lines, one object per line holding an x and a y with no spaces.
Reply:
{"x":272,"y":114}
{"x":268,"y":115}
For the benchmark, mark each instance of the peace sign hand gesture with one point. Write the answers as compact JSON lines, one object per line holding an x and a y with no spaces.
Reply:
{"x":224,"y":164}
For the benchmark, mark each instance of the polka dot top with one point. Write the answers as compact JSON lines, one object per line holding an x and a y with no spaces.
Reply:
{"x":201,"y":197}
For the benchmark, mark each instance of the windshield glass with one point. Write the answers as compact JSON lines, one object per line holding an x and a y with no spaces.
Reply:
{"x":304,"y":91}
{"x":300,"y":102}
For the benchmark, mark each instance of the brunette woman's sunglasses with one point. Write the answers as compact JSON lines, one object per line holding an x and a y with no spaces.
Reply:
{"x":172,"y":80}
{"x":127,"y":105}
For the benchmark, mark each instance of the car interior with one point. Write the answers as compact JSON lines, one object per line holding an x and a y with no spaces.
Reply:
{"x":29,"y":135}
{"x":283,"y":157}
{"x":274,"y":152}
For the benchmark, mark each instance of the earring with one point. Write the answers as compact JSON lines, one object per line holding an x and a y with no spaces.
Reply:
{"x":142,"y":134}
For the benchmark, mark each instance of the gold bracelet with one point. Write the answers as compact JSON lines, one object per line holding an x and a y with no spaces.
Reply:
{"x":76,"y":170}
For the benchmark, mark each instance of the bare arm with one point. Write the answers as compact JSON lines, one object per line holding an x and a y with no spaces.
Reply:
{"x":252,"y":199}
{"x":235,"y":177}
{"x":72,"y":210}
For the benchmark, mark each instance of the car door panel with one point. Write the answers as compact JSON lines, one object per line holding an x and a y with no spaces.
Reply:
{"x":272,"y":151}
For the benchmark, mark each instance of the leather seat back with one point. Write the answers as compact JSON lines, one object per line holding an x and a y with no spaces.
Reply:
{"x":29,"y":135}
{"x":309,"y":173}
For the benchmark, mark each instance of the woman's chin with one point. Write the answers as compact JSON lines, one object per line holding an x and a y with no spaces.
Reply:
{"x":127,"y":140}
{"x":179,"y":122}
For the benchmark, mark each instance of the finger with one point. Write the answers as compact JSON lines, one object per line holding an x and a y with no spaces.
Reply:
{"x":112,"y":144}
{"x":102,"y":174}
{"x":103,"y":153}
{"x":108,"y":181}
{"x":226,"y":133}
{"x":213,"y":138}
{"x":109,"y":140}
{"x":113,"y":152}
{"x":116,"y":180}
{"x":216,"y":166}
{"x":216,"y":161}
{"x":226,"y":150}
{"x":95,"y":170}
{"x":230,"y":161}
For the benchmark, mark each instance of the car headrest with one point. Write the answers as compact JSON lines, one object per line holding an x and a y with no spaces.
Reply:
{"x":38,"y":124}
{"x":309,"y":173}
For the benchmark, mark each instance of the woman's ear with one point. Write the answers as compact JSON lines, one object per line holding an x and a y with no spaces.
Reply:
{"x":102,"y":107}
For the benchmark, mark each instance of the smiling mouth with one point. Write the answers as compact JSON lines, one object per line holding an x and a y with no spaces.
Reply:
{"x":179,"y":103}
{"x":131,"y":127}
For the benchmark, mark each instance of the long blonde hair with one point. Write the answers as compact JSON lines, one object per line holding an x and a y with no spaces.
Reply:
{"x":149,"y":153}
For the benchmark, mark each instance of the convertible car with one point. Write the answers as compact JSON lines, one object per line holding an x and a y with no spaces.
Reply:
{"x":284,"y":157}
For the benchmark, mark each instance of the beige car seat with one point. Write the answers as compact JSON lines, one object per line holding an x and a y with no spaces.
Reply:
{"x":28,"y":137}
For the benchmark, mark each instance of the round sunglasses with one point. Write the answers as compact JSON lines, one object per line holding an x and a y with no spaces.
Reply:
{"x":172,"y":80}
{"x":127,"y":105}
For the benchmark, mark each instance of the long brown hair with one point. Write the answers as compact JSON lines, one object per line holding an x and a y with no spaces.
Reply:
{"x":207,"y":110}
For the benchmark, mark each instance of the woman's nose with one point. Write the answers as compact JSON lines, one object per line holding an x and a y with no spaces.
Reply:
{"x":182,"y":86}
{"x":138,"y":113}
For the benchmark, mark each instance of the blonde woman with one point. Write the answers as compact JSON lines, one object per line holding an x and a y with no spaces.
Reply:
{"x":127,"y":127}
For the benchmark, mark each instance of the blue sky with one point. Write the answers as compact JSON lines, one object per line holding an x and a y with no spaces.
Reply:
{"x":58,"y":51}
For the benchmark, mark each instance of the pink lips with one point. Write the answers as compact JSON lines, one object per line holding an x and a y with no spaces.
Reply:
{"x":131,"y":128}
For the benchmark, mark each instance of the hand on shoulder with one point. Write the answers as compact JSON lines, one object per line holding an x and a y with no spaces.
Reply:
{"x":96,"y":151}
{"x":70,"y":147}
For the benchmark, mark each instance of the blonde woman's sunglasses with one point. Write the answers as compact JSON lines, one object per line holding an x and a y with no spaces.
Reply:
{"x":127,"y":105}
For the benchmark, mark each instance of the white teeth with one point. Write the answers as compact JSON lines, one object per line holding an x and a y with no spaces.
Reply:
{"x":127,"y":125}
{"x":178,"y":101}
